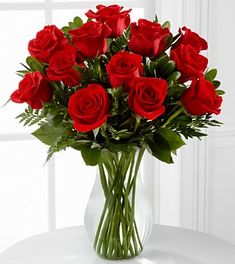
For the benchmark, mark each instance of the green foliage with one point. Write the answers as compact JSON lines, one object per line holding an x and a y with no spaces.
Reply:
{"x":175,"y":91}
{"x":173,"y":139}
{"x":162,"y":67}
{"x":31,"y":117}
{"x":120,"y":134}
{"x":155,"y":19}
{"x":163,"y":143}
{"x":76,"y":23}
{"x":49,"y":134}
{"x":120,"y":43}
{"x":166,"y":24}
{"x":220,"y":92}
{"x":173,"y":77}
{"x":90,"y":155}
{"x":158,"y":149}
{"x":68,"y":140}
{"x":22,"y":73}
{"x":191,"y":126}
{"x":210,"y":75}
{"x":216,"y":84}
{"x":34,"y":64}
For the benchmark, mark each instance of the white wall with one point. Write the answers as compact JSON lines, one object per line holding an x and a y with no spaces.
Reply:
{"x":205,"y":170}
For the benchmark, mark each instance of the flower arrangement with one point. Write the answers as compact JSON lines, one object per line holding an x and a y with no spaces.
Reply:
{"x":110,"y":86}
{"x":106,"y":83}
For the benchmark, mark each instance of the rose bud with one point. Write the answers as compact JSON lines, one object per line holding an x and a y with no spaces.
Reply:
{"x":113,"y":16}
{"x":122,"y":67}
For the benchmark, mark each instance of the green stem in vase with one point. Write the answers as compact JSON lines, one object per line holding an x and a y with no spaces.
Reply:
{"x":117,"y":235}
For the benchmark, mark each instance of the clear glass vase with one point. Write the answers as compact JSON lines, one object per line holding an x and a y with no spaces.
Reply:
{"x":118,"y":217}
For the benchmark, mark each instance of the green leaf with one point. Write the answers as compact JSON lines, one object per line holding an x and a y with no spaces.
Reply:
{"x":170,"y":83}
{"x":158,"y":149}
{"x":120,"y":42}
{"x":176,"y":90}
{"x":23,"y":72}
{"x":166,"y":24}
{"x":216,"y":84}
{"x":91,"y":156}
{"x":162,"y":59}
{"x":77,"y":21}
{"x":220,"y":92}
{"x":48,"y":134}
{"x":173,"y":139}
{"x":55,"y":117}
{"x":26,"y":67}
{"x":168,"y":68}
{"x":9,"y":100}
{"x":31,"y":116}
{"x":155,"y":19}
{"x":65,"y":29}
{"x":164,"y":143}
{"x":210,"y":75}
{"x":34,"y":64}
{"x":80,"y":144}
{"x":174,"y":76}
{"x":71,"y":26}
{"x":169,"y":41}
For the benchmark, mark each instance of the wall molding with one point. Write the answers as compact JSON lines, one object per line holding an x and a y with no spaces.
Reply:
{"x":195,"y":14}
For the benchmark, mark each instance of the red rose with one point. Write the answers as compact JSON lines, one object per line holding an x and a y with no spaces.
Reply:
{"x":188,"y":61}
{"x":148,"y":38}
{"x":122,"y":67}
{"x":34,"y":89}
{"x":146,"y":97}
{"x":88,"y":107}
{"x":201,"y":98}
{"x":61,"y":67}
{"x":112,"y":16}
{"x":193,"y":39}
{"x":46,"y":42}
{"x":90,"y":39}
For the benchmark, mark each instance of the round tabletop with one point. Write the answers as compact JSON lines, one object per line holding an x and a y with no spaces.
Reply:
{"x":167,"y":245}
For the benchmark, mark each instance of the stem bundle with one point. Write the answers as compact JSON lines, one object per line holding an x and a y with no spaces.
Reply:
{"x":117,"y":235}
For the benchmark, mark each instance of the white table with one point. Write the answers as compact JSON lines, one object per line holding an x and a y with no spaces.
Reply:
{"x":167,"y":245}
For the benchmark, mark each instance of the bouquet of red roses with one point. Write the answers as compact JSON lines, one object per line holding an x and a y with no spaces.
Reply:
{"x":108,"y":83}
{"x":111,"y":89}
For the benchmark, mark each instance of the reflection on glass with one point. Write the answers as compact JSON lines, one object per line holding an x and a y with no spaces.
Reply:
{"x":74,"y":181}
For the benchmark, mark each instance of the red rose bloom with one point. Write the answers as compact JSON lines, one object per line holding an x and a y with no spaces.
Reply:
{"x":46,"y":42}
{"x":188,"y":61}
{"x":113,"y":16}
{"x":148,"y":38}
{"x":201,"y":98}
{"x":88,"y":107}
{"x":90,"y":39}
{"x":146,"y":97}
{"x":122,"y":67}
{"x":34,"y":89}
{"x":61,"y":67}
{"x":193,"y":39}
